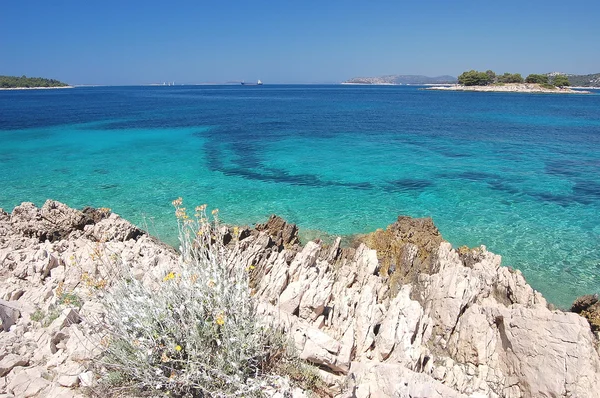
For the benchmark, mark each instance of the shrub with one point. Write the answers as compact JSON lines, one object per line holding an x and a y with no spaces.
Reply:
{"x":197,"y":332}
{"x":540,"y":79}
{"x":561,"y":81}
{"x":475,"y":78}
{"x":510,"y":78}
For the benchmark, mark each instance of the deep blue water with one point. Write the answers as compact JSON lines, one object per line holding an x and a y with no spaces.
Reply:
{"x":519,"y":173}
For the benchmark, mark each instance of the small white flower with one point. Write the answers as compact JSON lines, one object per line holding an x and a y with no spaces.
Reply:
{"x":159,"y":386}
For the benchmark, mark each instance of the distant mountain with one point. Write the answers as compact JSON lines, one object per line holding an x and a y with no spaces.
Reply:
{"x":402,"y":79}
{"x":592,"y":80}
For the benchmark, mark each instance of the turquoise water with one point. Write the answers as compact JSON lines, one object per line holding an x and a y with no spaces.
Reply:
{"x":518,"y":173}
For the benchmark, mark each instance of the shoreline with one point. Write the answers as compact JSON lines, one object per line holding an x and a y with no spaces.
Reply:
{"x":529,"y":88}
{"x":34,"y":88}
{"x":352,"y":311}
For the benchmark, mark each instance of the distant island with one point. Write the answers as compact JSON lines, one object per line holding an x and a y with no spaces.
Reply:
{"x":24,"y":82}
{"x":401,"y":79}
{"x":591,"y":80}
{"x":553,"y":83}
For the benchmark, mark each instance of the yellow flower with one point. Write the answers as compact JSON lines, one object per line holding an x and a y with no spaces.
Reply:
{"x":215,"y":212}
{"x":177,"y":202}
{"x":220,"y":319}
{"x":169,"y":276}
{"x":178,"y":348}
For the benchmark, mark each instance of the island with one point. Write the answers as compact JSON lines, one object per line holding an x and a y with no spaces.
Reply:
{"x":395,"y":80}
{"x":488,"y":81}
{"x":24,"y":82}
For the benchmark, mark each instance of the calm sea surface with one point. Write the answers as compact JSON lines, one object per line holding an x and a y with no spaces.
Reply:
{"x":519,"y":173}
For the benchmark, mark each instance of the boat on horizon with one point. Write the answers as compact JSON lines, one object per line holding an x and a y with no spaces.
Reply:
{"x":258,"y":83}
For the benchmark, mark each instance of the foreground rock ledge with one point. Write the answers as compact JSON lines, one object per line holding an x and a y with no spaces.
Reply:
{"x":414,"y":319}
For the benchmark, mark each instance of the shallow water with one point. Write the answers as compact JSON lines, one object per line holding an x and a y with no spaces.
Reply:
{"x":519,"y":173}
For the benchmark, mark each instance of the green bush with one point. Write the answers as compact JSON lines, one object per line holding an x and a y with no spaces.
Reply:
{"x":561,"y":81}
{"x":539,"y":79}
{"x":197,"y":332}
{"x":476,"y":78}
{"x":510,"y":78}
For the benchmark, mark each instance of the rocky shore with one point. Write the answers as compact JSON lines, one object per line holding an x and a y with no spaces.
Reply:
{"x":511,"y":88}
{"x":399,"y":314}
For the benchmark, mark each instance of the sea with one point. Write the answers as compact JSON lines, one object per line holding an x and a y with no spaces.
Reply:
{"x":519,"y":173}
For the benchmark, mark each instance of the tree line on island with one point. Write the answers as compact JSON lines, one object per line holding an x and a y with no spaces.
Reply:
{"x":489,"y":77}
{"x":29,"y":82}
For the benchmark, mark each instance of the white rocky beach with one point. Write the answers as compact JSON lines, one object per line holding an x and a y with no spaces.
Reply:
{"x":415,"y":318}
{"x":511,"y":88}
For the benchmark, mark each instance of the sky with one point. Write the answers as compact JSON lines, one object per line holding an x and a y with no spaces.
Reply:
{"x":327,"y":41}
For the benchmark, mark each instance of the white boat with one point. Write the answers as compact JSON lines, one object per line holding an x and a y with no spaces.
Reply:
{"x":259,"y":83}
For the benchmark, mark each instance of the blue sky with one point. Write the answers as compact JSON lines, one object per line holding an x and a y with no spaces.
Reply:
{"x":137,"y":42}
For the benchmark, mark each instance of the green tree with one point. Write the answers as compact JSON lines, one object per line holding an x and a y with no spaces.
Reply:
{"x":24,"y":81}
{"x":491,"y":76}
{"x":474,"y":78}
{"x":539,"y":79}
{"x":510,"y":78}
{"x":561,"y":81}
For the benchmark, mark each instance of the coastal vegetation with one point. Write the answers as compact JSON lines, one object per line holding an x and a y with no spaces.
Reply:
{"x":196,"y":332}
{"x":535,"y":78}
{"x":476,"y":78}
{"x":591,"y":80}
{"x":29,"y":82}
{"x":510,"y":78}
{"x":489,"y":77}
{"x":561,"y":81}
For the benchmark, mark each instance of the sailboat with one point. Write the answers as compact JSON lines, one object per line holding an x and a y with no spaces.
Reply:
{"x":258,"y":83}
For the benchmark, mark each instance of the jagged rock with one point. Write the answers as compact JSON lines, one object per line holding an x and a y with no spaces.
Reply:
{"x":588,"y":307}
{"x":94,"y":216}
{"x":416,"y":318}
{"x":282,"y":233}
{"x":67,"y":317}
{"x":9,"y":314}
{"x":320,"y":349}
{"x":54,"y":221}
{"x":405,"y":249}
{"x":373,"y":379}
{"x":114,"y":228}
{"x":28,"y":383}
{"x":11,"y":361}
{"x":87,"y":379}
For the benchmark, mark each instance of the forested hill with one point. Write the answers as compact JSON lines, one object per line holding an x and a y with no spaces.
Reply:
{"x":592,"y":80}
{"x":28,"y":82}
